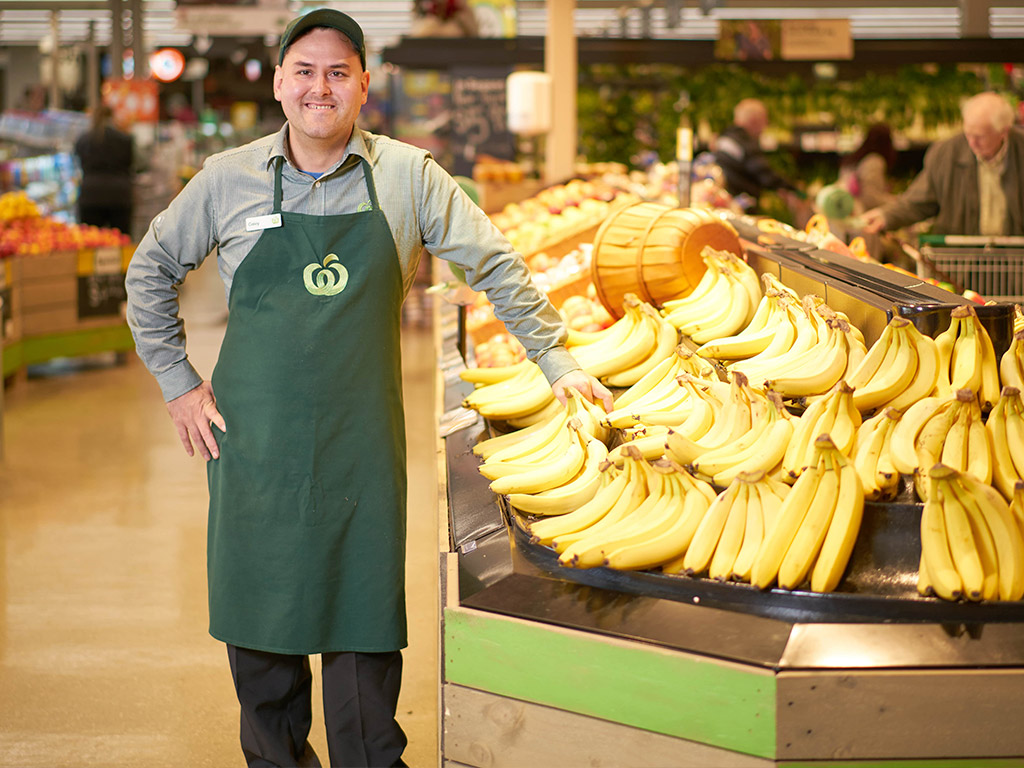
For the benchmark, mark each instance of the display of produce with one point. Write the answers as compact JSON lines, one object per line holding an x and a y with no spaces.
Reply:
{"x":748,"y":454}
{"x":24,"y":231}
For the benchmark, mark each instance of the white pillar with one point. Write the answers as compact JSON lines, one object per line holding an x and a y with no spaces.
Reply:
{"x":56,"y":100}
{"x":560,"y":61}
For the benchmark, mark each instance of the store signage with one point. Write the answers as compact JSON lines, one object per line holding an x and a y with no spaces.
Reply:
{"x":226,"y":20}
{"x":785,"y":39}
{"x":479,"y":116}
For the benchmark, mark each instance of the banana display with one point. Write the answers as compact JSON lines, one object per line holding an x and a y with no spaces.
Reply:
{"x":722,"y":303}
{"x":702,"y":469}
{"x":971,"y":541}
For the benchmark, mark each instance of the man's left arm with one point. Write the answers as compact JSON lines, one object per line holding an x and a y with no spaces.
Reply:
{"x":456,"y":229}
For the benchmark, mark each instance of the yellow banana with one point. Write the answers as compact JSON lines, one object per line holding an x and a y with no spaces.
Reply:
{"x":1004,"y":472}
{"x":1017,"y":505}
{"x":924,"y":582}
{"x":752,"y":339}
{"x":545,"y":412}
{"x":1011,"y":364}
{"x":942,"y":573}
{"x":1018,"y":318}
{"x":705,"y":539}
{"x":753,"y":526}
{"x":1006,"y":535}
{"x":895,"y":373}
{"x":871,"y":363}
{"x":987,"y":553}
{"x":966,"y":363}
{"x":930,"y":441}
{"x":493,"y":375}
{"x":989,"y":391}
{"x":780,"y":534}
{"x":491,"y":445}
{"x":551,"y":451}
{"x":632,"y":497}
{"x":735,"y":419}
{"x":572,"y":495}
{"x":927,"y":373}
{"x":665,"y":343}
{"x":557,"y":472}
{"x":801,"y":442}
{"x":704,"y":286}
{"x":1015,"y":432}
{"x":785,"y":336}
{"x":872,"y":441}
{"x":944,"y":343}
{"x":807,"y":541}
{"x":958,"y":534}
{"x":979,"y":446}
{"x":953,"y":449}
{"x":660,"y":376}
{"x":711,"y":304}
{"x":668,"y":545}
{"x":613,"y":336}
{"x":740,"y":312}
{"x":613,"y":482}
{"x":731,"y":540}
{"x":834,"y":555}
{"x":906,"y":431}
{"x":602,"y":360}
{"x":540,"y":436}
{"x":817,"y":370}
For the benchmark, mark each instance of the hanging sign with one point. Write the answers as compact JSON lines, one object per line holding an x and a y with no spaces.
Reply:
{"x":816,"y":40}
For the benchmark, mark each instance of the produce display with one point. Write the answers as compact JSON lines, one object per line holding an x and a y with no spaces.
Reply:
{"x":24,"y":231}
{"x":750,"y":426}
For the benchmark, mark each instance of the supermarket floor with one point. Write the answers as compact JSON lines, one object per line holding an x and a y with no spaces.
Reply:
{"x":104,"y":655}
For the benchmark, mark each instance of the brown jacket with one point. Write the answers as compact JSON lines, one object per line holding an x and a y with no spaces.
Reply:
{"x":947,"y":188}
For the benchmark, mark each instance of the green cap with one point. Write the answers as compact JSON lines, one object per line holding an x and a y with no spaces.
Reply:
{"x":324,"y":17}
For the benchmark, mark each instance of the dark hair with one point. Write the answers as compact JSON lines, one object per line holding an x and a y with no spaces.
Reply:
{"x":102,"y":116}
{"x":878,"y":140}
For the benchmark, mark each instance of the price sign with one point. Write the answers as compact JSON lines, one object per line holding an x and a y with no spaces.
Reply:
{"x":479,"y":122}
{"x":100,"y":295}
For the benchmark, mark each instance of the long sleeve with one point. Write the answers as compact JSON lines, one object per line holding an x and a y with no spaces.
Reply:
{"x":455,"y":229}
{"x":178,"y":240}
{"x":872,"y":180}
{"x":920,"y":201}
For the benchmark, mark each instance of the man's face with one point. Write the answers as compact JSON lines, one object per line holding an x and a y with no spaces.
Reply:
{"x":984,"y":141}
{"x":321,"y":86}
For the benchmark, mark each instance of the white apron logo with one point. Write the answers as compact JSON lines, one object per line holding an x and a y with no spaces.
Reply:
{"x":327,"y":279}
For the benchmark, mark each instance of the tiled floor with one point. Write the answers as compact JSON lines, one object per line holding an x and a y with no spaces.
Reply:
{"x":104,"y":656}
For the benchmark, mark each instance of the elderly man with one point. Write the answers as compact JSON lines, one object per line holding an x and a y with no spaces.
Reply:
{"x":738,"y":153}
{"x":973,"y":183}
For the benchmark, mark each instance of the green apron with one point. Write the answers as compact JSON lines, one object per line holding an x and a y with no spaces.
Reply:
{"x":306,"y":542}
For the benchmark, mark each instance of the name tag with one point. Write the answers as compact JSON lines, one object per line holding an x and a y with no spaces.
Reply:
{"x":262,"y":222}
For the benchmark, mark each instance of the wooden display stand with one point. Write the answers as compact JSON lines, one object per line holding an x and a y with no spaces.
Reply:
{"x":64,"y":304}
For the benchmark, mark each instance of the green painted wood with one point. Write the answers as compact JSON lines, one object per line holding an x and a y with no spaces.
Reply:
{"x":973,"y":762}
{"x":39,"y":349}
{"x":717,"y":703}
{"x":12,"y":358}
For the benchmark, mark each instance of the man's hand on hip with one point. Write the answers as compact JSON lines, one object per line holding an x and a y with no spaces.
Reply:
{"x":192,"y":414}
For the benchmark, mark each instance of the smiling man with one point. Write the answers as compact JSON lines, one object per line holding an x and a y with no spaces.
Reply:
{"x":318,"y":231}
{"x":972,"y":184}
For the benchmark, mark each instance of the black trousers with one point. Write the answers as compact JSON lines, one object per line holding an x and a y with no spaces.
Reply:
{"x":360,"y":698}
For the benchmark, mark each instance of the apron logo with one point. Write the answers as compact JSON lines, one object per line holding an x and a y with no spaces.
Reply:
{"x":324,"y":280}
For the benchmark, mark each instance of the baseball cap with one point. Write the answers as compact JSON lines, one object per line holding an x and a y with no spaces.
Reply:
{"x":324,"y":17}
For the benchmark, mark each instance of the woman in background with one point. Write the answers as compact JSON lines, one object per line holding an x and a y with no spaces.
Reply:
{"x":865,"y":171}
{"x":105,"y":153}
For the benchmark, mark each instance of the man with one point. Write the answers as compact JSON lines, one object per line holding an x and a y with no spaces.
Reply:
{"x":318,"y":229}
{"x":743,"y":163}
{"x":973,"y":183}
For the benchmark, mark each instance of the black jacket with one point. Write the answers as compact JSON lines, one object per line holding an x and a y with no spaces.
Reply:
{"x":744,"y":165}
{"x":106,"y":168}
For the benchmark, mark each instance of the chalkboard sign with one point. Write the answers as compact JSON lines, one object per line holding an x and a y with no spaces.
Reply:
{"x":478,"y":122}
{"x":100,"y":295}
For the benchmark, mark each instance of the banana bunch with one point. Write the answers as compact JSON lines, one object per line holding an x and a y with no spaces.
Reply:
{"x":967,"y":359}
{"x":559,"y":461}
{"x":1005,"y":428}
{"x":721,"y":304}
{"x":742,"y":407}
{"x":482,"y":376}
{"x":947,"y":430}
{"x":761,"y":448}
{"x":900,"y":368}
{"x":807,"y":357}
{"x":834,"y":415}
{"x":771,"y":318}
{"x":523,"y":393}
{"x":816,"y":526}
{"x":659,"y":391}
{"x":871,"y":456}
{"x":701,"y":410}
{"x":1011,"y":364}
{"x":1017,"y":503}
{"x":1018,"y":318}
{"x":628,"y":349}
{"x":651,"y":522}
{"x":971,"y":543}
{"x":733,"y":528}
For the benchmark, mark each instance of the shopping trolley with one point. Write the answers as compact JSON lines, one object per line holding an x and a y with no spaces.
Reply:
{"x":990,"y":266}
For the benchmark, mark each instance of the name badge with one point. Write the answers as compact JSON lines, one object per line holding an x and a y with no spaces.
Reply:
{"x":270,"y":221}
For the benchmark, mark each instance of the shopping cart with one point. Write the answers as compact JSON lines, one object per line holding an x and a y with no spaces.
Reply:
{"x":990,"y":266}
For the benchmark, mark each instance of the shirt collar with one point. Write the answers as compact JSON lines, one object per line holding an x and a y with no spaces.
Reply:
{"x":356,"y":146}
{"x":998,"y":161}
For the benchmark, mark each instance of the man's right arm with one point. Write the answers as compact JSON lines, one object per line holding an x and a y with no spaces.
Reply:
{"x":917,"y":203}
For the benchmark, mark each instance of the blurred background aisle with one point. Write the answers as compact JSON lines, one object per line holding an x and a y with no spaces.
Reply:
{"x":104,"y":653}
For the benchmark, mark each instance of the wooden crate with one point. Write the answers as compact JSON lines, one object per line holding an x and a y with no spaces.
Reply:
{"x":47,"y":286}
{"x":10,"y":300}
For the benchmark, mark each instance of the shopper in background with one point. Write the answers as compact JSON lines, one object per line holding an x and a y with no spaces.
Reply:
{"x":973,"y":183}
{"x":318,"y":230}
{"x":106,"y":156}
{"x":745,"y":167}
{"x":865,"y":171}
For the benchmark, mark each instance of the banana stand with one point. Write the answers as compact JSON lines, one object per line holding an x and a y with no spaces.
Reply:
{"x":543,"y":665}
